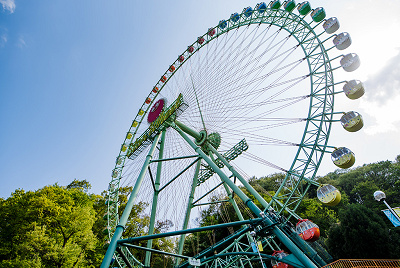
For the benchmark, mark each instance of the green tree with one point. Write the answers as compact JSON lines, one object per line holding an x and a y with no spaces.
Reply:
{"x":314,"y":210}
{"x":138,"y":225}
{"x":82,"y":185}
{"x":362,"y":234}
{"x":357,"y":187}
{"x":51,"y":227}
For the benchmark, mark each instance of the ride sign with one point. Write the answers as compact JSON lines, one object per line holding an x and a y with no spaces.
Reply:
{"x":160,"y":116}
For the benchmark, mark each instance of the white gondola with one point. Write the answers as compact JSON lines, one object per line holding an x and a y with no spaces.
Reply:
{"x":331,"y":25}
{"x":342,"y":41}
{"x":354,"y":89}
{"x":343,"y":157}
{"x":329,"y":195}
{"x":352,"y":121}
{"x":350,"y":62}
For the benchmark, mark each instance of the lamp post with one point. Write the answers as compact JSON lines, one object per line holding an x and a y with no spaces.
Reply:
{"x":379,"y":195}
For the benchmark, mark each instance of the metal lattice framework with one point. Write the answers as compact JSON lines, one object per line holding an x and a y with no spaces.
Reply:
{"x":204,"y":162}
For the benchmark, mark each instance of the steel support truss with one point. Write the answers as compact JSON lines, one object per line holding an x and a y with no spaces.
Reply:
{"x":307,"y":160}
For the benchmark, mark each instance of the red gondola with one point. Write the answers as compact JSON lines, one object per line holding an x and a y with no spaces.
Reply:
{"x":277,"y":264}
{"x":211,"y":32}
{"x":200,"y":40}
{"x":307,"y":230}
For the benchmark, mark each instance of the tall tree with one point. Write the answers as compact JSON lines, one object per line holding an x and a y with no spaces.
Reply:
{"x":362,"y":234}
{"x":363,"y":215}
{"x":51,"y":227}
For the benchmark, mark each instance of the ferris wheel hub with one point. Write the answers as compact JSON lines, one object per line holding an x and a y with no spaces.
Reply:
{"x":202,"y":137}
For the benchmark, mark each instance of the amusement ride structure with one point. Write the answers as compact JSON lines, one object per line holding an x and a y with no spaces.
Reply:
{"x":253,"y":95}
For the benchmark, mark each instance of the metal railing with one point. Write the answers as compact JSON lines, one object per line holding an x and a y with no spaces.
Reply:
{"x":363,"y":263}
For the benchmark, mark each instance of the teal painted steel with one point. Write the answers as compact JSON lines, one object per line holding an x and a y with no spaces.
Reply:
{"x":314,"y":141}
{"x":155,"y":198}
{"x":189,"y":208}
{"x":147,"y":249}
{"x":192,"y":230}
{"x":125,"y":215}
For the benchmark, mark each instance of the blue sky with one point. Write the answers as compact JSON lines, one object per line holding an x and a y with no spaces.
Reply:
{"x":74,"y":73}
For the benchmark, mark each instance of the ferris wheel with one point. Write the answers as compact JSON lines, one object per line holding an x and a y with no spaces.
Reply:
{"x":252,"y":96}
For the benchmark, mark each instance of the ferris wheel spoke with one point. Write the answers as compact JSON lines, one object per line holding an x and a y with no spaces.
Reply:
{"x":258,"y":93}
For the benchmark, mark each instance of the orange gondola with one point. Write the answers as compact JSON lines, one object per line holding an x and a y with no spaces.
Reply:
{"x":307,"y":230}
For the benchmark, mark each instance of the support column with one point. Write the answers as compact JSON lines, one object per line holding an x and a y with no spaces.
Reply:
{"x":155,"y":199}
{"x":127,"y":211}
{"x":188,"y":209}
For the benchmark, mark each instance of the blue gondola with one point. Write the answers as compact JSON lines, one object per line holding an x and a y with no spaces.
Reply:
{"x":247,"y":11}
{"x":235,"y":17}
{"x":222,"y":24}
{"x":261,"y":7}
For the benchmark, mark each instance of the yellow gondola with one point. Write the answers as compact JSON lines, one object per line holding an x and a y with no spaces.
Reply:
{"x":352,"y":121}
{"x":329,"y":195}
{"x":343,"y":157}
{"x":354,"y":89}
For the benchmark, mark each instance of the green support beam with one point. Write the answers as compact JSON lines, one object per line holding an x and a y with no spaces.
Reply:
{"x":125,"y":215}
{"x":188,"y":209}
{"x":155,"y":198}
{"x":193,"y":230}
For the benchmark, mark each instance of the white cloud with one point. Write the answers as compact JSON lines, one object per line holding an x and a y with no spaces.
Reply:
{"x":3,"y":40}
{"x":385,"y":84}
{"x":8,"y":5}
{"x":386,"y":116}
{"x":382,"y":98}
{"x":21,"y":42}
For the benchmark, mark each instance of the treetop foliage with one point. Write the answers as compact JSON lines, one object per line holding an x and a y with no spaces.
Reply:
{"x":62,"y":226}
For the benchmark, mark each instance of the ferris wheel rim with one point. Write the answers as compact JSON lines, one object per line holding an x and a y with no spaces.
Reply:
{"x":177,"y":64}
